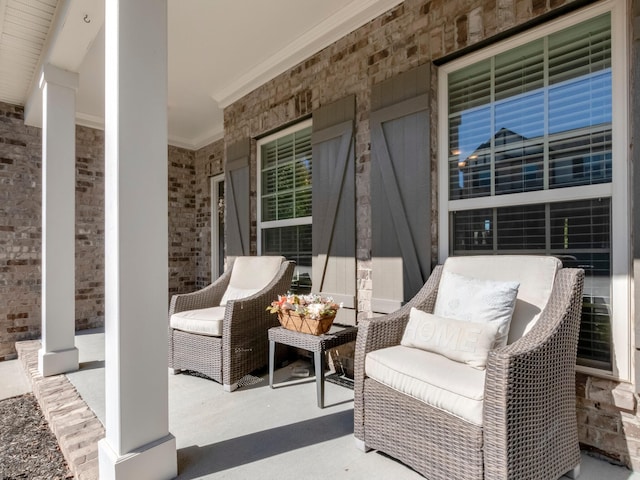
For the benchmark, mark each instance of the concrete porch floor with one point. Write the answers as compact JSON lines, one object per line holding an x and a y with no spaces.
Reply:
{"x":254,"y":432}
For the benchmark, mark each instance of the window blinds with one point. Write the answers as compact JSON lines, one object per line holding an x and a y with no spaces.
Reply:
{"x":286,"y":177}
{"x":535,"y":118}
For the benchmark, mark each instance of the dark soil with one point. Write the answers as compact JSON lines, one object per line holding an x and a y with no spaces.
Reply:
{"x":28,"y":448}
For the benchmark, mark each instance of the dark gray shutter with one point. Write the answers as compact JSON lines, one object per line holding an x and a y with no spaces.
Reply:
{"x":400,"y":188}
{"x":334,"y":206}
{"x":238,"y":215}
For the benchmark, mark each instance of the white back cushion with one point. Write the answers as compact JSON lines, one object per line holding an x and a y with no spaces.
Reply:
{"x":249,"y":275}
{"x":535,"y":274}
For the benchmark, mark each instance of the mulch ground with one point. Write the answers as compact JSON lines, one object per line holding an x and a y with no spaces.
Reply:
{"x":28,"y":448}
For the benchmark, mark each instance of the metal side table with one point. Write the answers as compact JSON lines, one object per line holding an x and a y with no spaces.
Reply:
{"x":318,"y":344}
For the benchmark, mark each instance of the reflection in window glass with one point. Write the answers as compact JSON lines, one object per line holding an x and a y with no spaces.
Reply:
{"x":498,"y":143}
{"x":580,"y":159}
{"x":584,"y":102}
{"x":521,"y":117}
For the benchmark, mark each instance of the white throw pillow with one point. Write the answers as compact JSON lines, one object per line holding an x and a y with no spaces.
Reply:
{"x":467,"y":342}
{"x":477,"y":300}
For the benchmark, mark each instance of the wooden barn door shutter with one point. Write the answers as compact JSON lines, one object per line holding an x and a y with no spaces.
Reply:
{"x":400,"y":188}
{"x":334,"y":213}
{"x":236,"y":179}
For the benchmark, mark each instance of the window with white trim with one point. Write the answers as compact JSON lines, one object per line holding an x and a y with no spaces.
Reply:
{"x":532,"y":135}
{"x":284,"y":194}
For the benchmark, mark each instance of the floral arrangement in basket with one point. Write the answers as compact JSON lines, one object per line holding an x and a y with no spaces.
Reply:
{"x":311,"y":313}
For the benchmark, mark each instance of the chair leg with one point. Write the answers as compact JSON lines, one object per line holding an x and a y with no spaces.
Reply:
{"x":360,"y":445}
{"x":230,"y":388}
{"x":574,"y":473}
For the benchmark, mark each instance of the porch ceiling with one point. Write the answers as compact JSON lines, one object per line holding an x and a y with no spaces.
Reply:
{"x":218,"y":51}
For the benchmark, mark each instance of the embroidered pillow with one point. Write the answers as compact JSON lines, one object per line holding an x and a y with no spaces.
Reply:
{"x":477,"y":300}
{"x":467,"y":342}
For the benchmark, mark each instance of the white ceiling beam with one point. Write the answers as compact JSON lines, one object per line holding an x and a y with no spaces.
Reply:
{"x":74,"y":28}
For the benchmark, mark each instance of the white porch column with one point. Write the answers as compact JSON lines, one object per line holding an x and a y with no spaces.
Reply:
{"x":58,"y":353}
{"x":137,"y":444}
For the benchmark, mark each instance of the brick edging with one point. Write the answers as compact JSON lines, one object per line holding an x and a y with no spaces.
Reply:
{"x":74,"y":424}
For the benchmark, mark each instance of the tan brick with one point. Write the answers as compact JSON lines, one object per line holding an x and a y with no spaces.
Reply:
{"x":76,"y":427}
{"x":611,"y":393}
{"x":88,"y":470}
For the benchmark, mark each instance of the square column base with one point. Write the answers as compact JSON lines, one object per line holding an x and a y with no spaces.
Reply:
{"x":61,"y":361}
{"x":155,"y":461}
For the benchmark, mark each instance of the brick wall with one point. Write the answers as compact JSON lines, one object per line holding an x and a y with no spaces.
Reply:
{"x":21,"y":224}
{"x":209,"y":162}
{"x":182,"y":231}
{"x":411,"y":34}
{"x":20,"y":229}
{"x":89,"y":228}
{"x":608,"y":419}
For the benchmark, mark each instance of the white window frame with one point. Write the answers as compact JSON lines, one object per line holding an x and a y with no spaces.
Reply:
{"x":623,"y":342}
{"x":275,"y":223}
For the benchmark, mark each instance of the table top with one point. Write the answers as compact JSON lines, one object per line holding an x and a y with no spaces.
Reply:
{"x":335,"y":337}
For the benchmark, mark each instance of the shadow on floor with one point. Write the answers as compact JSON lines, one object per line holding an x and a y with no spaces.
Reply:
{"x":92,"y":365}
{"x":195,"y":461}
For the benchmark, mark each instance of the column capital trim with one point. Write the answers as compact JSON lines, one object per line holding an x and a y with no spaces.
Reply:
{"x":58,"y":76}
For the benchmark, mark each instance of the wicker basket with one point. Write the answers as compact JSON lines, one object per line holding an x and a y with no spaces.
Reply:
{"x":293,"y":321}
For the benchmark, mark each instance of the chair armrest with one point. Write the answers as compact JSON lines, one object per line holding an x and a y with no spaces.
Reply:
{"x":209,"y":296}
{"x":247,"y":320}
{"x":386,"y":331}
{"x":530,"y":384}
{"x":239,"y":313}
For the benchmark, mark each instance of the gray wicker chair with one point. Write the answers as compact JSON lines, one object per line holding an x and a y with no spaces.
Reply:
{"x":528,"y":426}
{"x":239,"y":346}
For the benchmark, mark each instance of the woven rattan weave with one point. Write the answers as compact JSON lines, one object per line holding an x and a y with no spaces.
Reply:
{"x":529,"y":422}
{"x":243,"y":346}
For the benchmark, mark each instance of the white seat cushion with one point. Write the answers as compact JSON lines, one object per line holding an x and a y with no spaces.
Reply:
{"x":432,"y":378}
{"x":535,"y":274}
{"x":249,"y":275}
{"x":205,"y":321}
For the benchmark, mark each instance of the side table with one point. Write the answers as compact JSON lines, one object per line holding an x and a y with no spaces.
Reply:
{"x":318,"y":344}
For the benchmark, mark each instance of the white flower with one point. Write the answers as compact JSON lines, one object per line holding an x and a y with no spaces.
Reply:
{"x":315,"y":310}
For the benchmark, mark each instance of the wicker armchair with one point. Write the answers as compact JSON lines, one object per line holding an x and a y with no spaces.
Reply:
{"x":527,"y":427}
{"x":226,"y":342}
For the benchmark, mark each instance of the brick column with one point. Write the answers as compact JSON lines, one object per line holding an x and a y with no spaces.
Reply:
{"x":58,"y":353}
{"x":137,"y":444}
